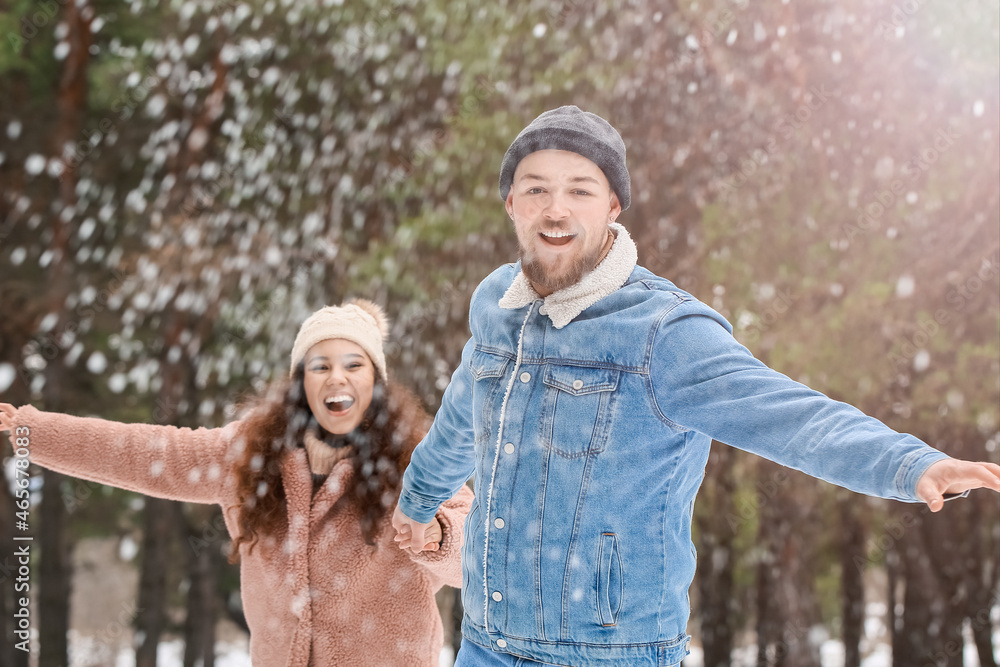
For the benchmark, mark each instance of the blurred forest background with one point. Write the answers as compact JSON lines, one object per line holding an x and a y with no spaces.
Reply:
{"x":182,"y":182}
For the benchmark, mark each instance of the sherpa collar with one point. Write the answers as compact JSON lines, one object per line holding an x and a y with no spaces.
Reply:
{"x":563,"y":306}
{"x":322,"y":457}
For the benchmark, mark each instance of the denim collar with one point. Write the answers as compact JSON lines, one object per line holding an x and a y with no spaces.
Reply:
{"x":564,"y":305}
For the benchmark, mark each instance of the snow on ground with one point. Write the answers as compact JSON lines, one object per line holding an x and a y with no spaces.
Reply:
{"x":832,"y":655}
{"x":876,"y":648}
{"x":86,"y":653}
{"x":89,"y":652}
{"x":171,"y":654}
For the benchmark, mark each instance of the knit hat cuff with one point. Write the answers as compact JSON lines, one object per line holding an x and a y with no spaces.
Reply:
{"x":359,"y":321}
{"x":571,"y":129}
{"x":574,"y":141}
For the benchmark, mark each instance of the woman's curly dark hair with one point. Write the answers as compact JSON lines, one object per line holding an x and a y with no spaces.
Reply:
{"x":275,"y":425}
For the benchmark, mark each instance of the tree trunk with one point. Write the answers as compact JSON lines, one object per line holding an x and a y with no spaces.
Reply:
{"x":9,"y":655}
{"x":768,"y":635}
{"x":14,"y":334}
{"x":161,"y":519}
{"x":852,"y":553}
{"x":234,"y":612}
{"x":984,"y":644}
{"x":982,"y":580}
{"x":717,"y":524}
{"x":55,"y":569}
{"x":54,"y":575}
{"x":892,"y":619}
{"x":158,"y":524}
{"x":788,"y":607}
{"x":931,"y":631}
{"x":796,"y":583}
{"x":7,"y":570}
{"x":944,"y":538}
{"x":151,"y":617}
{"x":765,"y":636}
{"x":919,"y":588}
{"x":202,"y":573}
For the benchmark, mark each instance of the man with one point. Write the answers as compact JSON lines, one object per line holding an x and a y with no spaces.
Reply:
{"x":585,"y":405}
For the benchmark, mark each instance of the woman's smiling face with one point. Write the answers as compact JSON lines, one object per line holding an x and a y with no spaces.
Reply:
{"x":339,"y":379}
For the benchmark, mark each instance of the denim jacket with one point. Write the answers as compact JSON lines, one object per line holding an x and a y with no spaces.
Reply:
{"x":588,"y":430}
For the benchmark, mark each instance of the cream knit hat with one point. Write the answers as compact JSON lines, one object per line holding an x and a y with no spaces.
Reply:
{"x":358,"y":320}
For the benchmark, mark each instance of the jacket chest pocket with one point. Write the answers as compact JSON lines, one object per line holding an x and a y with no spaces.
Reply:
{"x":488,"y":370}
{"x":578,"y":408}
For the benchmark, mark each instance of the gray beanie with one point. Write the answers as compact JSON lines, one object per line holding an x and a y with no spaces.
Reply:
{"x":570,"y":129}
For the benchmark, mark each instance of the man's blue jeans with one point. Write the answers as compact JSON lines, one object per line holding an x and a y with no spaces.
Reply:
{"x":472,"y":654}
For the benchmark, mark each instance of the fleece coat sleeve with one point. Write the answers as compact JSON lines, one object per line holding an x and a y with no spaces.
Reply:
{"x":444,"y":566}
{"x":161,"y":461}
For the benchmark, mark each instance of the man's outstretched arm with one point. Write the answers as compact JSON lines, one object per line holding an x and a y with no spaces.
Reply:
{"x":706,"y":381}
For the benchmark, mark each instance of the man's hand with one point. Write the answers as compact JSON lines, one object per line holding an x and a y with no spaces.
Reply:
{"x":955,"y":476}
{"x":415,"y":536}
{"x":7,"y":416}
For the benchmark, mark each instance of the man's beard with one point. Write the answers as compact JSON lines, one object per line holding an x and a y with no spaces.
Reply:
{"x":537,"y":274}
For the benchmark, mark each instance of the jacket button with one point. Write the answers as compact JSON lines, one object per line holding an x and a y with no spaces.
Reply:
{"x":542,"y":310}
{"x":496,"y":596}
{"x":509,"y":448}
{"x":498,"y":523}
{"x":577,"y":384}
{"x":501,"y":643}
{"x":525,"y":376}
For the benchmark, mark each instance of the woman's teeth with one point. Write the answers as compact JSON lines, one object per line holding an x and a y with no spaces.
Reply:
{"x":339,"y":403}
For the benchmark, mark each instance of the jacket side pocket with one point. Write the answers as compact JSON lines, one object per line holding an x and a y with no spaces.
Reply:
{"x":472,"y":564}
{"x":610,"y":580}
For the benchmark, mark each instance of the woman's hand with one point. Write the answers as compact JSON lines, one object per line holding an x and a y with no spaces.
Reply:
{"x":7,"y":416}
{"x":416,"y":537}
{"x":433,"y":535}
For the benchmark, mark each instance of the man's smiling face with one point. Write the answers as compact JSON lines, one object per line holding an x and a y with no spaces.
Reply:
{"x":561,"y":204}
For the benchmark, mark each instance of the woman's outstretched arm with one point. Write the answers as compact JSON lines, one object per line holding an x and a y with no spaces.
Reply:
{"x":191,"y":465}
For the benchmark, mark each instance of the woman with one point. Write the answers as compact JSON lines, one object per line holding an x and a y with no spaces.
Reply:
{"x":305,"y":481}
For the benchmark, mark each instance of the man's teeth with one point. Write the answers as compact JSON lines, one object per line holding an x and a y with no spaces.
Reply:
{"x":556,"y":235}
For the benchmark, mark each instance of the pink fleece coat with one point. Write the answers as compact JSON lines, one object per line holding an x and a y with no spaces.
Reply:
{"x":314,"y":594}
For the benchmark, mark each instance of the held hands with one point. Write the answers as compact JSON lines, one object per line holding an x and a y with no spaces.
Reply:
{"x":7,"y":416}
{"x":953,"y":476}
{"x":416,"y":537}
